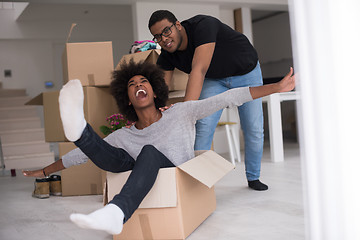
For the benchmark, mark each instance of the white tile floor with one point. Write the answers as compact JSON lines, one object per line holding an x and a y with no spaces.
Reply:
{"x":241,"y":213}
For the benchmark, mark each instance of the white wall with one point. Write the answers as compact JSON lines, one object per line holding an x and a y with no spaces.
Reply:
{"x":227,"y":17}
{"x":30,"y":62}
{"x":272,"y":40}
{"x":143,"y":10}
{"x":32,"y":49}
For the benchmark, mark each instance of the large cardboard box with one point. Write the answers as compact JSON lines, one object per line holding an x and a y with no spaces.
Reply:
{"x":84,"y":179}
{"x":180,"y":78}
{"x":175,"y":97}
{"x":90,"y":62}
{"x":98,"y":104}
{"x":180,"y":200}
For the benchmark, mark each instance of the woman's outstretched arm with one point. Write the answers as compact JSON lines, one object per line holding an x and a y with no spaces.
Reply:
{"x":46,"y":171}
{"x":236,"y":97}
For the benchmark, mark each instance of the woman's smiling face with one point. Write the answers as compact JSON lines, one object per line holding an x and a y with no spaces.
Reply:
{"x":140,"y":92}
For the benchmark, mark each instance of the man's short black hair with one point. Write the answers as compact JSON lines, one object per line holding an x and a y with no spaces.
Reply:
{"x":119,"y":85}
{"x":161,"y":15}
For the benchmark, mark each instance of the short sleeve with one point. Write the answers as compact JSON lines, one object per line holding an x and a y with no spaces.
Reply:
{"x":164,"y":63}
{"x":206,"y":31}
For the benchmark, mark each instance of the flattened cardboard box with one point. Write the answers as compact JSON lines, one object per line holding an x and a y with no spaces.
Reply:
{"x":84,"y":179}
{"x":180,"y":200}
{"x":180,"y":78}
{"x":98,"y":104}
{"x":90,"y":62}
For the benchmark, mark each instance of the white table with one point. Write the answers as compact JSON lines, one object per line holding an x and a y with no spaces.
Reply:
{"x":275,"y":128}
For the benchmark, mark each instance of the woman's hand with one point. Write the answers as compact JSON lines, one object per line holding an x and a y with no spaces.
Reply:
{"x":288,"y":82}
{"x":285,"y":85}
{"x":36,"y":173}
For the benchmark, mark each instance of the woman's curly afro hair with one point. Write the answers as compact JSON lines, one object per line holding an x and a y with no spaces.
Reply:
{"x":119,"y":85}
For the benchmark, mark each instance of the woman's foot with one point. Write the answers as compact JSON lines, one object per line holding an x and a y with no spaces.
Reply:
{"x":109,"y":219}
{"x":71,"y":103}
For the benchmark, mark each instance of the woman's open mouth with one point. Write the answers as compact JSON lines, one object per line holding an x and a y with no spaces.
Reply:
{"x":141,"y":93}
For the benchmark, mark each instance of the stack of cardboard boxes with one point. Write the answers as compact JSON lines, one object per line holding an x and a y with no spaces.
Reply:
{"x":182,"y":197}
{"x":92,"y":63}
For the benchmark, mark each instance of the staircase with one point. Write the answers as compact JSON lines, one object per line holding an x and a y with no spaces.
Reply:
{"x":22,"y":137}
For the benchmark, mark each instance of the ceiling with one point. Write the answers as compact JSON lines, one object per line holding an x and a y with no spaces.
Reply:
{"x":77,"y":10}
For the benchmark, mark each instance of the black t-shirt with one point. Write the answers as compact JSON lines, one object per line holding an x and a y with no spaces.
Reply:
{"x":233,"y":55}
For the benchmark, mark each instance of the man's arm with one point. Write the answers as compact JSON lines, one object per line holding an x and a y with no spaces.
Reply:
{"x":200,"y":64}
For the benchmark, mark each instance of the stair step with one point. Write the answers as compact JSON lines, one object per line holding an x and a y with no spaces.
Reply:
{"x":13,"y":101}
{"x":23,"y":148}
{"x":29,"y":161}
{"x":12,"y":92}
{"x":17,"y":124}
{"x":18,"y":112}
{"x":23,"y":135}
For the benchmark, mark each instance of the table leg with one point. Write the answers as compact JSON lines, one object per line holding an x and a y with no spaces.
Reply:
{"x":275,"y":128}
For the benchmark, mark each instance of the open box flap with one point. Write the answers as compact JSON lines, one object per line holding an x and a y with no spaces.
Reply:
{"x":208,"y":167}
{"x":38,"y":100}
{"x":162,"y":194}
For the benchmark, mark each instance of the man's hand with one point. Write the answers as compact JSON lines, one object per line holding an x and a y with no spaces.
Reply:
{"x":165,"y":108}
{"x":129,"y":124}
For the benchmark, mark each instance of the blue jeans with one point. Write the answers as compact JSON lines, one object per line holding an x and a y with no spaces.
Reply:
{"x":251,"y":119}
{"x":109,"y":158}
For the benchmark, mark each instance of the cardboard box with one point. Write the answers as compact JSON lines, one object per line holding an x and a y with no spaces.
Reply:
{"x":175,"y":97}
{"x":84,"y":179}
{"x":98,"y":104}
{"x":180,"y":200}
{"x":90,"y":62}
{"x":180,"y":78}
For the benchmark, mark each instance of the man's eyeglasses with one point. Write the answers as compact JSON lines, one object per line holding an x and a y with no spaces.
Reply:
{"x":166,"y":32}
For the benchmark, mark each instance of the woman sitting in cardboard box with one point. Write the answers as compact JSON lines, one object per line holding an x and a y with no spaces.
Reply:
{"x":156,"y":140}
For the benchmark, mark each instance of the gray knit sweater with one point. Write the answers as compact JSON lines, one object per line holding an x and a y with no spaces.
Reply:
{"x":173,"y":134}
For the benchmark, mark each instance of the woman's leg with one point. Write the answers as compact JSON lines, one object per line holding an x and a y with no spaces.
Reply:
{"x":141,"y":179}
{"x":71,"y":105}
{"x":105,"y":156}
{"x":102,"y":154}
{"x":119,"y":210}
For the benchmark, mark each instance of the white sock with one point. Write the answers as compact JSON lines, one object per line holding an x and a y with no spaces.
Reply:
{"x":71,"y":103}
{"x":109,"y":218}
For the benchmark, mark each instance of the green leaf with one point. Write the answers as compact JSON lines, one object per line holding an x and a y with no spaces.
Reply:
{"x":105,"y":130}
